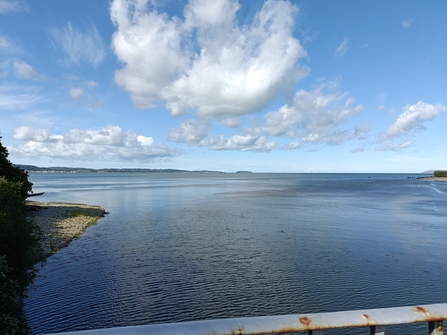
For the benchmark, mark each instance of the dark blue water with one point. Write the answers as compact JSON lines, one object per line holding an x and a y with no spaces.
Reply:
{"x":181,"y":247}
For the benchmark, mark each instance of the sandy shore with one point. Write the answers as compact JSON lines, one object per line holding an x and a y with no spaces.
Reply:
{"x":433,"y":178}
{"x":60,"y":223}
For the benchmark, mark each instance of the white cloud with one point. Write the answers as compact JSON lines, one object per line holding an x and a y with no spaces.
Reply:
{"x":315,"y":117}
{"x":406,"y":23}
{"x":14,"y":97}
{"x":8,"y":47}
{"x":391,"y":146}
{"x":358,"y":149}
{"x":26,"y":71}
{"x":412,"y":118}
{"x":194,"y":132}
{"x":3,"y":42}
{"x":342,"y":48}
{"x":245,"y":142}
{"x":110,"y":143}
{"x":26,"y":133}
{"x":232,"y":122}
{"x":91,"y":83}
{"x":76,"y":92}
{"x":10,"y":6}
{"x":80,"y":46}
{"x":205,"y":62}
{"x":190,"y":131}
{"x":292,"y":145}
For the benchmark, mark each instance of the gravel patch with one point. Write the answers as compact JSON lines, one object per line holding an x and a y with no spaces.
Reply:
{"x":433,"y":178}
{"x":60,"y":223}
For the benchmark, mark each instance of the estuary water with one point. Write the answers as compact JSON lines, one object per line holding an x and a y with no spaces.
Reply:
{"x":192,"y":246}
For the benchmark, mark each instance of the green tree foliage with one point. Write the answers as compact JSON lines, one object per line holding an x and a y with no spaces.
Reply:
{"x":19,"y":236}
{"x":441,"y":174}
{"x":9,"y":291}
{"x":14,"y":174}
{"x":20,"y":248}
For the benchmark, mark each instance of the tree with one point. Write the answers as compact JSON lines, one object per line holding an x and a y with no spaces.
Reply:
{"x":14,"y":174}
{"x":20,"y":245}
{"x":441,"y":173}
{"x":9,"y":290}
{"x":19,"y":236}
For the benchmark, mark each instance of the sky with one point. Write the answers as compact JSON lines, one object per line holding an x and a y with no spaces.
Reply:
{"x":265,"y":86}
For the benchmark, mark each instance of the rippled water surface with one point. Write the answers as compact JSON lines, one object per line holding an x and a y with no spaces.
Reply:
{"x":192,"y":246}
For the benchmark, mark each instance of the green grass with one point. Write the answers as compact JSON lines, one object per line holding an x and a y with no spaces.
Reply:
{"x":76,"y":213}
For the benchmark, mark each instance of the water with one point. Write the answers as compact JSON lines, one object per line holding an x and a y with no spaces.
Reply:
{"x":181,"y":247}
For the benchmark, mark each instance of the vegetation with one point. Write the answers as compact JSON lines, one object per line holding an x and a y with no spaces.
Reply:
{"x":10,"y":323}
{"x":13,"y":174}
{"x":20,"y":248}
{"x":69,"y":214}
{"x":441,"y":174}
{"x":76,"y":213}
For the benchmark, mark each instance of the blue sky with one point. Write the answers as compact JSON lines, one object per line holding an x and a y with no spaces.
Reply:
{"x":274,"y":86}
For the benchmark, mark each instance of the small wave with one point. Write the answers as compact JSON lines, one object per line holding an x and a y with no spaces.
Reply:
{"x":434,"y":188}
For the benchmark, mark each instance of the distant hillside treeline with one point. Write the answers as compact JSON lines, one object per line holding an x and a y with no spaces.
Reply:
{"x":440,"y":174}
{"x":33,"y":168}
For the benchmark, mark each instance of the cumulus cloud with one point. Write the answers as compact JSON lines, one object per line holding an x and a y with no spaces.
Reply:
{"x":195,"y":132}
{"x":190,"y":131}
{"x":26,"y":71}
{"x":80,"y":46}
{"x":406,"y":23}
{"x":245,"y":142}
{"x":315,"y":116}
{"x":19,"y":97}
{"x":411,"y":119}
{"x":342,"y":48}
{"x":205,"y":62}
{"x":25,"y":133}
{"x":109,"y":143}
{"x":232,"y":122}
{"x":10,"y":6}
{"x":76,"y":93}
{"x":312,"y":116}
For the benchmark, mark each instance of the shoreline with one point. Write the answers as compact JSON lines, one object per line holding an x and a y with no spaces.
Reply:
{"x":60,"y":223}
{"x":433,"y":178}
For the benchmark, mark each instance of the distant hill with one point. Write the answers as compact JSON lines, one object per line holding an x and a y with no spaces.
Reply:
{"x":433,"y":171}
{"x":429,"y":171}
{"x":60,"y":169}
